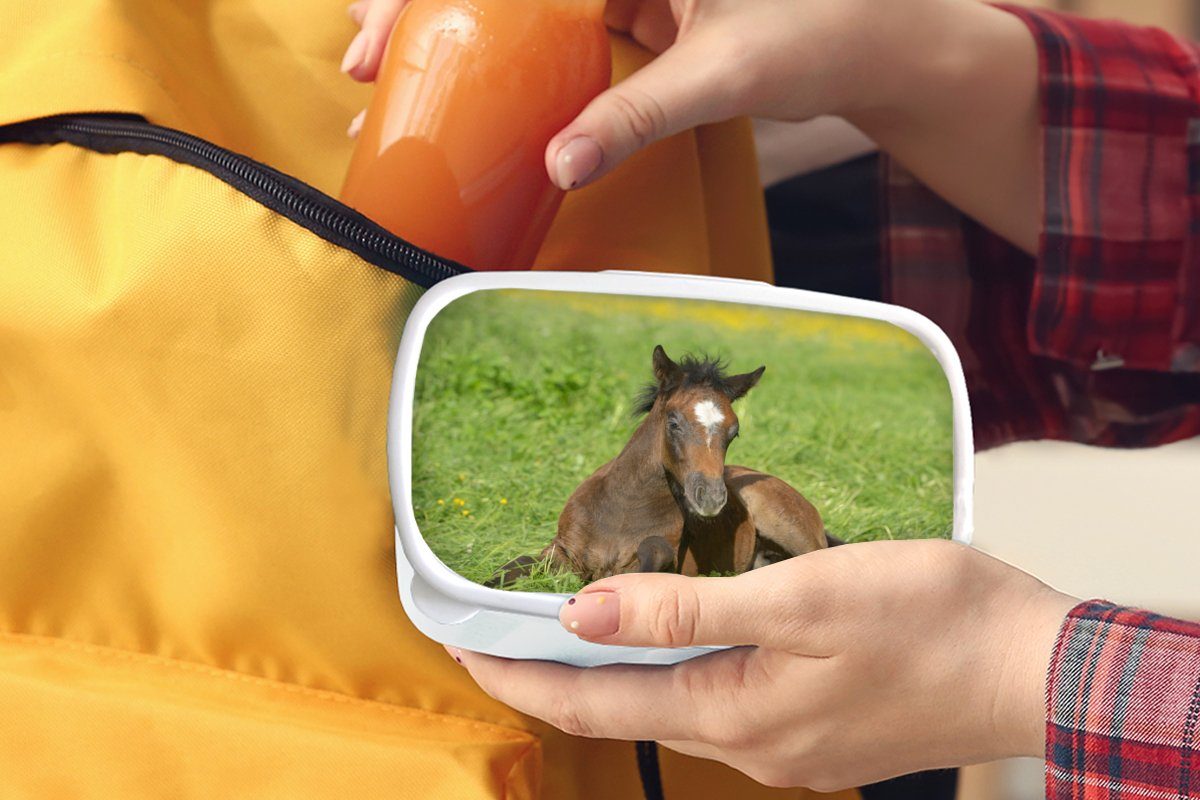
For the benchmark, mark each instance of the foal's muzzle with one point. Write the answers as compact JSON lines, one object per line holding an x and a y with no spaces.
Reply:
{"x":705,"y":495}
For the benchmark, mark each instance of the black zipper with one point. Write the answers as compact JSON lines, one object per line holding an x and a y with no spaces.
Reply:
{"x":318,"y":212}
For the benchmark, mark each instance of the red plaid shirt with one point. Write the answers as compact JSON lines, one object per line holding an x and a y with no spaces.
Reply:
{"x":1097,"y":340}
{"x":1124,"y":707}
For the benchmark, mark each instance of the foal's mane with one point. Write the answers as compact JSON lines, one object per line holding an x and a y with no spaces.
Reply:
{"x":703,"y":370}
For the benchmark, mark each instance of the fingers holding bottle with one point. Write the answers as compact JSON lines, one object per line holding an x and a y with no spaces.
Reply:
{"x":375,"y":19}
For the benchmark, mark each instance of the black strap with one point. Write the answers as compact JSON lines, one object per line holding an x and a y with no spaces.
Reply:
{"x":647,"y":758}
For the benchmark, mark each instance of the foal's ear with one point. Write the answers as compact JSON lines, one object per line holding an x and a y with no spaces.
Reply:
{"x":739,"y":385}
{"x":666,"y":371}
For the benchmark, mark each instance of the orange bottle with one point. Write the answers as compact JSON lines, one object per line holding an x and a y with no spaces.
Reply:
{"x":451,"y":155}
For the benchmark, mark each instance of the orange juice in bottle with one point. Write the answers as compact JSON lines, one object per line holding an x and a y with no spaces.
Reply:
{"x":470,"y":92}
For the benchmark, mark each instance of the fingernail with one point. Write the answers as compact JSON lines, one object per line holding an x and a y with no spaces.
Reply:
{"x":356,"y":124}
{"x":454,"y":652}
{"x":577,"y":161}
{"x":356,"y":52}
{"x":592,"y":614}
{"x":357,"y":11}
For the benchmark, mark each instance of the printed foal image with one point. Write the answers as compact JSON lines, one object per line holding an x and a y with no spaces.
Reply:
{"x":562,"y":438}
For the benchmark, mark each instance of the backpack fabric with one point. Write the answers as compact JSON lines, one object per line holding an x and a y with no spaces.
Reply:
{"x":197,"y":584}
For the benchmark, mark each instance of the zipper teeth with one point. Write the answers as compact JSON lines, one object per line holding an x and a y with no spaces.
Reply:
{"x":393,"y":249}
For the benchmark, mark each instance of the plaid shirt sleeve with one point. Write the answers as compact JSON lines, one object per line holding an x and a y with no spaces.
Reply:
{"x":1117,"y":280}
{"x":1123,"y":702}
{"x":1097,"y":338}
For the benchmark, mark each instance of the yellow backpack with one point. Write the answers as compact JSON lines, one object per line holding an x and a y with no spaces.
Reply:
{"x":197,"y":586}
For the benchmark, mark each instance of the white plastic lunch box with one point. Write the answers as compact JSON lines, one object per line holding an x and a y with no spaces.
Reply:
{"x":455,"y":611}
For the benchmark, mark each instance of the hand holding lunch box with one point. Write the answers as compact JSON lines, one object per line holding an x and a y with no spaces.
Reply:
{"x":550,"y":429}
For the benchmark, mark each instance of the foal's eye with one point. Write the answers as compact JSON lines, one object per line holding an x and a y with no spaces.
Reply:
{"x":673,"y":425}
{"x":733,"y":432}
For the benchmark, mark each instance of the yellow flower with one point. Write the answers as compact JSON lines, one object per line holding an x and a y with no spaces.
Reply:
{"x":503,"y":501}
{"x":466,"y":512}
{"x":458,"y":501}
{"x":441,"y":502}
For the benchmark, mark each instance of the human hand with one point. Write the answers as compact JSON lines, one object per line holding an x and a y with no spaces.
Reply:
{"x":718,"y":59}
{"x":947,"y":87}
{"x":851,"y":665}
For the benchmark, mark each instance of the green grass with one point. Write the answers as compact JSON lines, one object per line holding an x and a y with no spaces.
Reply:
{"x":522,"y":395}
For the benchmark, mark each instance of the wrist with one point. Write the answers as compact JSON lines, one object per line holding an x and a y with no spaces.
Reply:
{"x":929,"y":61}
{"x":881,"y":50}
{"x":1020,"y":702}
{"x":958,"y":106}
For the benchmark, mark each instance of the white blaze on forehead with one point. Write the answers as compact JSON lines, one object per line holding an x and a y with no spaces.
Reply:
{"x":709,"y":415}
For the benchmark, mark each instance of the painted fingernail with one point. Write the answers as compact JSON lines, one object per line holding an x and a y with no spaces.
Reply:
{"x":356,"y":124}
{"x":356,"y":52}
{"x":454,"y":652}
{"x":577,"y":161}
{"x":592,"y":614}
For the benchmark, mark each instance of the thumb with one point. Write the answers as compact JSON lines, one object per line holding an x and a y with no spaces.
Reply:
{"x":683,"y":87}
{"x":662,"y":610}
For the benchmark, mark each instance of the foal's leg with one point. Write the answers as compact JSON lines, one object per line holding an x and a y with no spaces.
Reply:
{"x":787,"y":523}
{"x":656,"y":554}
{"x":689,"y":567}
{"x":745,"y":544}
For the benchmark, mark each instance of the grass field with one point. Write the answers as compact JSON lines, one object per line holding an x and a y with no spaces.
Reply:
{"x":522,"y":395}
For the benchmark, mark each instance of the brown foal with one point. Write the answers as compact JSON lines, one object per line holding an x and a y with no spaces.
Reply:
{"x":669,"y":502}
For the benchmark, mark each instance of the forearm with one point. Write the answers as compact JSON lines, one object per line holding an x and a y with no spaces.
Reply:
{"x":953,"y":96}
